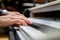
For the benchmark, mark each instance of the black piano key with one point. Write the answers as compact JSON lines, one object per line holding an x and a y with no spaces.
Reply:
{"x":11,"y":36}
{"x":35,"y":25}
{"x":12,"y":31}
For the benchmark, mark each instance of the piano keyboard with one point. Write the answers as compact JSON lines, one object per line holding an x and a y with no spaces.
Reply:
{"x":31,"y":33}
{"x":42,"y":31}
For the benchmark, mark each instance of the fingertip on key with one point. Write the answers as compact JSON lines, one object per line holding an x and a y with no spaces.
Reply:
{"x":29,"y":22}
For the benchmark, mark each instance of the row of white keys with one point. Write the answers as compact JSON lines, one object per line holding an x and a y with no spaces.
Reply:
{"x":34,"y":34}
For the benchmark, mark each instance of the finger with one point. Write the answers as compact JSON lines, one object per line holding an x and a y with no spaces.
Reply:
{"x":21,"y":22}
{"x":25,"y":19}
{"x":22,"y":18}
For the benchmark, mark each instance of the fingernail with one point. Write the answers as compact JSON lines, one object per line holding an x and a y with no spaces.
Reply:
{"x":24,"y":25}
{"x":29,"y":22}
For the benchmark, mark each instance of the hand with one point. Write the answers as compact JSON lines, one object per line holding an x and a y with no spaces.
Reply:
{"x":11,"y":19}
{"x":18,"y":15}
{"x":8,"y":21}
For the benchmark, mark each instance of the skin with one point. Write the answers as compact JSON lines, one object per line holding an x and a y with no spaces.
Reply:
{"x":13,"y":18}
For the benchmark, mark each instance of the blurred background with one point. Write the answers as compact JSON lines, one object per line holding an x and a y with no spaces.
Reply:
{"x":20,"y":5}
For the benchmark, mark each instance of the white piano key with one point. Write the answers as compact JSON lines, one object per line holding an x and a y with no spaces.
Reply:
{"x":20,"y":35}
{"x":33,"y":33}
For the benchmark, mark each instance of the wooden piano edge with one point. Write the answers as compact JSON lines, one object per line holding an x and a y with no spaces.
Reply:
{"x":4,"y":37}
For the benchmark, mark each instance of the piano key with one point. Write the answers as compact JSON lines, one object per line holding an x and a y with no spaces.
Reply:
{"x":20,"y":35}
{"x":34,"y":25}
{"x":11,"y":35}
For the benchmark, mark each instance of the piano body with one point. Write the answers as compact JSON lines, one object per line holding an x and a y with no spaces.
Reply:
{"x":43,"y":28}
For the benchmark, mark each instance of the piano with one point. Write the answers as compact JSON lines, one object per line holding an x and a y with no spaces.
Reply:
{"x":43,"y":28}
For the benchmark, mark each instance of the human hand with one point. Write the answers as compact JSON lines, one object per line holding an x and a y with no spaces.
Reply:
{"x":18,"y":15}
{"x":11,"y":19}
{"x":8,"y":21}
